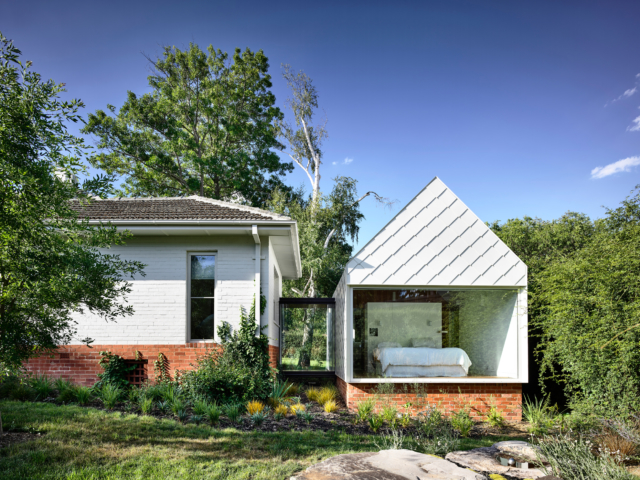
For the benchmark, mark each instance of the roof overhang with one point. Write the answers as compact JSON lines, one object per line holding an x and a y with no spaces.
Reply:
{"x":285,"y":232}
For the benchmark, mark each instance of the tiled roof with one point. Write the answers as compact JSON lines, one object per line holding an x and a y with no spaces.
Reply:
{"x":171,"y":208}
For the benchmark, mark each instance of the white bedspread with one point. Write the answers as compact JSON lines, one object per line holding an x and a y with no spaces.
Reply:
{"x":423,"y":356}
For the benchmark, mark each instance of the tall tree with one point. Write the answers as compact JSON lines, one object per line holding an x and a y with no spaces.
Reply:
{"x":50,"y":263}
{"x":207,"y":128}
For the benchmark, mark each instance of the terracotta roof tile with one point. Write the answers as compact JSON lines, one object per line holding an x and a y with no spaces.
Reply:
{"x":171,"y":208}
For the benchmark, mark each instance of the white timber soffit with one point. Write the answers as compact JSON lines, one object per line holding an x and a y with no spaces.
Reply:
{"x":436,"y":240}
{"x":256,"y":238}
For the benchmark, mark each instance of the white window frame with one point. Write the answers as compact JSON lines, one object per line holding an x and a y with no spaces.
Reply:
{"x":215,"y":303}
{"x":522,"y":337}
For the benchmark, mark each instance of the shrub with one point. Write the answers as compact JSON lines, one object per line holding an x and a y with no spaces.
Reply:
{"x":178,"y":404}
{"x":213,"y":414}
{"x":254,"y":407}
{"x":312,"y":393}
{"x":239,"y":372}
{"x":83,"y":394}
{"x":306,"y":416}
{"x":110,"y":395}
{"x":572,"y":459}
{"x":42,"y":386}
{"x":197,"y":419}
{"x":364,"y":409}
{"x":182,"y":415}
{"x":330,"y":406}
{"x":389,"y":414}
{"x":393,"y":441}
{"x":279,"y":392}
{"x":461,"y":422}
{"x":327,"y":394}
{"x":435,"y":434}
{"x":163,"y":406}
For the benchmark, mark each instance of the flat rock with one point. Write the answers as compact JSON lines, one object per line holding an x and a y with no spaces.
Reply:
{"x":484,"y":460}
{"x":387,"y":465}
{"x":517,"y":449}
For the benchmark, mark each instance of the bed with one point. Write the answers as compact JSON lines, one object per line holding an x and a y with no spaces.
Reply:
{"x":397,"y":361}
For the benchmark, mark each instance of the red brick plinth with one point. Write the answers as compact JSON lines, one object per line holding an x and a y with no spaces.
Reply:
{"x":274,"y":355}
{"x":447,"y":397}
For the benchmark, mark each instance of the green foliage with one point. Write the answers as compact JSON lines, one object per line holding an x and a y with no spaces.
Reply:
{"x":435,"y":434}
{"x":375,"y":422}
{"x":110,"y":394}
{"x":239,"y":372}
{"x":233,"y":411}
{"x":572,"y":459}
{"x":495,"y":418}
{"x":364,"y":409}
{"x":42,"y":385}
{"x":200,"y":406}
{"x":539,"y":415}
{"x":83,"y":395}
{"x":462,"y":423}
{"x":279,"y":391}
{"x":258,"y":418}
{"x":584,"y":286}
{"x":50,"y":263}
{"x":68,"y":393}
{"x":178,"y":404}
{"x":115,"y":371}
{"x":213,"y":413}
{"x":206,"y":127}
{"x":146,"y":405}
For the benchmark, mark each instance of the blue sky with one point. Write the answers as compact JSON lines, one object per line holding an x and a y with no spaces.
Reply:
{"x":514,"y":105}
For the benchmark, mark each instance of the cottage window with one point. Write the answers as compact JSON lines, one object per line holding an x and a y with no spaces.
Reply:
{"x":202,"y":283}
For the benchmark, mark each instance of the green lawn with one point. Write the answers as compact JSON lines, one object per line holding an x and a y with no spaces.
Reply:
{"x":85,"y":443}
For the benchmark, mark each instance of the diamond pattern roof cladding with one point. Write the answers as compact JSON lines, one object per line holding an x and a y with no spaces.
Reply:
{"x":436,"y":240}
{"x":171,"y":208}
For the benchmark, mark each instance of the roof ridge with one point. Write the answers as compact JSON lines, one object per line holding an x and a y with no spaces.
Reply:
{"x":274,"y":216}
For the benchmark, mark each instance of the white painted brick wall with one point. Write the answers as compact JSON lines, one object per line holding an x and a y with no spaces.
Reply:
{"x":160,"y":298}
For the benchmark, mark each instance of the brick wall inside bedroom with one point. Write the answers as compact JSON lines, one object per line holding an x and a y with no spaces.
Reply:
{"x":80,"y":363}
{"x":447,"y":397}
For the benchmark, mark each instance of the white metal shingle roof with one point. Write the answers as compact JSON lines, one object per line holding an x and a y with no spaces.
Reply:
{"x":436,"y":240}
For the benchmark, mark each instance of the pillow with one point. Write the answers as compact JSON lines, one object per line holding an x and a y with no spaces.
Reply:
{"x":423,"y":342}
{"x":389,"y":345}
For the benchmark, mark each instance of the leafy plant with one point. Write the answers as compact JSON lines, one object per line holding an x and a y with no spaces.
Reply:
{"x":42,"y":385}
{"x":182,"y":415}
{"x":197,"y":419}
{"x":200,"y":406}
{"x":389,"y":414}
{"x":213,"y":413}
{"x":68,"y":393}
{"x":233,"y":412}
{"x":83,"y":394}
{"x":115,"y":370}
{"x":254,"y":407}
{"x":110,"y":395}
{"x":394,"y":440}
{"x":178,"y":404}
{"x":462,"y":422}
{"x":258,"y":418}
{"x":538,"y":414}
{"x":330,"y":406}
{"x":495,"y":418}
{"x":364,"y":409}
{"x":146,"y":405}
{"x":279,"y":391}
{"x":298,"y":407}
{"x":163,"y":406}
{"x":293,"y":389}
{"x":375,"y":422}
{"x":306,"y":416}
{"x":405,"y":420}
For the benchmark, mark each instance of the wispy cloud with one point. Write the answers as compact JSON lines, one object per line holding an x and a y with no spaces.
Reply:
{"x":636,"y":126}
{"x":623,"y":165}
{"x":348,"y":160}
{"x":334,"y":163}
{"x":627,"y":93}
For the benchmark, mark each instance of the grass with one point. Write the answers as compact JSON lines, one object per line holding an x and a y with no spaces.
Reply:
{"x":89,"y":444}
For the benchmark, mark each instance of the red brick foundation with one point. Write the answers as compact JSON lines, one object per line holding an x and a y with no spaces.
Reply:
{"x":80,"y":363}
{"x":274,"y":355}
{"x":448,"y":398}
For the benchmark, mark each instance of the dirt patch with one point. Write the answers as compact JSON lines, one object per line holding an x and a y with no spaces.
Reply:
{"x":11,"y":438}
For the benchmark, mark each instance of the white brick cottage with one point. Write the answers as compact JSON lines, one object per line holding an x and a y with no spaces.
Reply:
{"x":204,"y":261}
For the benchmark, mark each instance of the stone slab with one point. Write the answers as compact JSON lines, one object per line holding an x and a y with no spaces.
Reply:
{"x":387,"y":465}
{"x":484,"y":460}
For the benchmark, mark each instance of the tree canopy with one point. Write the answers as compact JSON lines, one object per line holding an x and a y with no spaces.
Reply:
{"x":207,"y":128}
{"x":50,"y":263}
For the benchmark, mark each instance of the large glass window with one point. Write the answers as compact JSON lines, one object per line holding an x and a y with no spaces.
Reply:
{"x":307,"y":334}
{"x":202,"y":285}
{"x":434,"y":333}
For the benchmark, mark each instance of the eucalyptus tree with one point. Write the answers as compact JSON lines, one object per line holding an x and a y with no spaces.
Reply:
{"x":207,"y":127}
{"x":50,"y":262}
